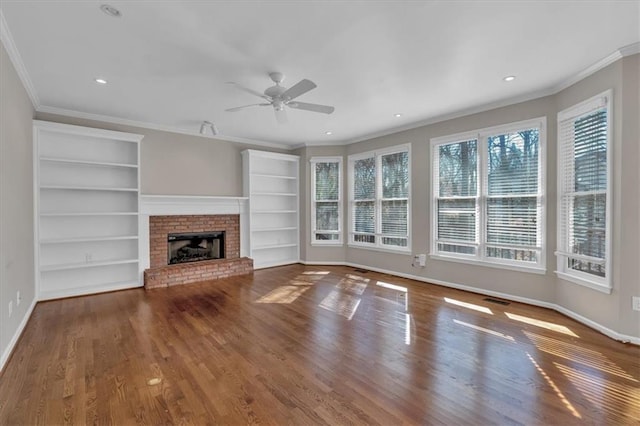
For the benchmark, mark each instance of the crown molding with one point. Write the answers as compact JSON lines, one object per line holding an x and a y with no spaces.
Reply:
{"x":16,"y":60}
{"x":154,"y":126}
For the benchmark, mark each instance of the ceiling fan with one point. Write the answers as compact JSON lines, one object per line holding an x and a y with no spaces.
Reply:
{"x":279,"y":96}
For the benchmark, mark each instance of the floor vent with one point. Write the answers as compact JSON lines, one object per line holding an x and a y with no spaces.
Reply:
{"x":498,"y":301}
{"x":361,"y":271}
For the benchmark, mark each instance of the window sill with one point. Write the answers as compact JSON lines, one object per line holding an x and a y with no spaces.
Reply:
{"x":331,"y":244}
{"x":602,"y":288}
{"x":404,"y":251}
{"x":528,"y":269}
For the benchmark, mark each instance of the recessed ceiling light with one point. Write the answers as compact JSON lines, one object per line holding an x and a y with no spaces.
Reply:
{"x":101,"y":81}
{"x":398,"y":115}
{"x":509,"y":78}
{"x":328,"y":133}
{"x":110,"y":10}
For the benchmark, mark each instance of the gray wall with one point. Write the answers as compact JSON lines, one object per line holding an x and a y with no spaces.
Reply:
{"x":16,"y":204}
{"x":612,"y":311}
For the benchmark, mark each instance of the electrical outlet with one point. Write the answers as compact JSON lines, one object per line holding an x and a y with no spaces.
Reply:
{"x":18,"y":298}
{"x":10,"y":308}
{"x":636,"y":303}
{"x":422,"y":260}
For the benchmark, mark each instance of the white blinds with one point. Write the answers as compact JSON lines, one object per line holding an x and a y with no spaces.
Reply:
{"x":364,"y":193}
{"x":512,"y":188}
{"x":583,"y":173}
{"x":395,"y":198}
{"x":326,"y":205}
{"x":380,"y":193}
{"x":455,"y":167}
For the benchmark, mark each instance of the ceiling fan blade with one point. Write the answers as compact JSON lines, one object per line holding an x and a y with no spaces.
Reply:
{"x":281,"y":116}
{"x":311,"y":107}
{"x":246,"y":89}
{"x":300,"y":88}
{"x":245,"y":106}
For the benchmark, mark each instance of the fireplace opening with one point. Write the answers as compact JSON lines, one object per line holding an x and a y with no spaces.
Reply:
{"x":195,"y":247}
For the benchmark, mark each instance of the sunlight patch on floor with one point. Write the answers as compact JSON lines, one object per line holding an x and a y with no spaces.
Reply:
{"x":550,"y":382}
{"x":484,"y":330}
{"x":293,"y":289}
{"x":341,"y":303}
{"x":604,"y":393}
{"x":543,"y":324}
{"x":578,"y":354}
{"x":284,"y":294}
{"x":468,"y":305}
{"x":391,"y":286}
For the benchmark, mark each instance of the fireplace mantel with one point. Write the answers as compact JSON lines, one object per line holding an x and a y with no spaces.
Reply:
{"x":166,"y":205}
{"x":191,"y":204}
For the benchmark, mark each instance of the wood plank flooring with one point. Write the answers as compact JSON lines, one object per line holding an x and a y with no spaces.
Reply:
{"x":313,"y":345}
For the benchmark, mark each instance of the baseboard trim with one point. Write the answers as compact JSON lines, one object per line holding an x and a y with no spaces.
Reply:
{"x":16,"y":336}
{"x":624,"y":338}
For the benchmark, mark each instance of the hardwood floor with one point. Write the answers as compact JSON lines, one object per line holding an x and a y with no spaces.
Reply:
{"x":313,"y":345}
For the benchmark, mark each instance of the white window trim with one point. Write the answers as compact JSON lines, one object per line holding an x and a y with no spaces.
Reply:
{"x":335,"y":243}
{"x":603,"y":285}
{"x":378,"y":246}
{"x":481,"y":135}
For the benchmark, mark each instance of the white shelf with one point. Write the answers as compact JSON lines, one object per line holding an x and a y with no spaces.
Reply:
{"x":274,"y":211}
{"x":262,"y":175}
{"x":275,"y":246}
{"x":64,"y":266}
{"x":88,"y":239}
{"x":86,"y":163}
{"x":283,"y":194}
{"x":289,"y":228}
{"x":270,"y":180}
{"x":89,"y":214}
{"x":86,"y":182}
{"x":88,"y":188}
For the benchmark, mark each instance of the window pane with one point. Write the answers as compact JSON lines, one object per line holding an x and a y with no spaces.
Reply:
{"x":512,"y":221}
{"x":327,"y":181}
{"x":395,"y":175}
{"x":364,"y":216}
{"x":400,"y":242}
{"x":457,"y":219}
{"x":513,"y":163}
{"x":457,"y":167}
{"x":452,"y":248}
{"x":513,"y":254}
{"x":364,"y":179}
{"x":327,"y":237}
{"x":394,"y":217}
{"x":588,"y":227}
{"x":327,"y":216}
{"x":590,"y":166}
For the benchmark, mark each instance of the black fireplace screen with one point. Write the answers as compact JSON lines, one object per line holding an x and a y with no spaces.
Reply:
{"x":195,"y":246}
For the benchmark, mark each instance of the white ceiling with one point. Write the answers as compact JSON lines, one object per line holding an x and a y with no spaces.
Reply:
{"x":167,"y":61}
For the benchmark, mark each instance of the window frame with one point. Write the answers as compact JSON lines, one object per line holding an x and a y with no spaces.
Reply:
{"x":601,"y":284}
{"x":378,"y":245}
{"x":482,"y":196}
{"x":314,"y":242}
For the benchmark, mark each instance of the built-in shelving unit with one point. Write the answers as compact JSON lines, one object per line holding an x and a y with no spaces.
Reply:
{"x":86,"y":190}
{"x":270,"y":181}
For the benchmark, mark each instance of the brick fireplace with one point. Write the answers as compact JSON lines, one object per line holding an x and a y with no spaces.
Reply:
{"x":161,"y":274}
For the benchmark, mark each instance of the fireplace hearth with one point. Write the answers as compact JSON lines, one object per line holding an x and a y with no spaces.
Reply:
{"x":195,"y":247}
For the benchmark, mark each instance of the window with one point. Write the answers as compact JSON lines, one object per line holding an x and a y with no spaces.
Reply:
{"x":583,"y":193}
{"x":326,"y":208}
{"x":379,"y":199}
{"x":488,"y":196}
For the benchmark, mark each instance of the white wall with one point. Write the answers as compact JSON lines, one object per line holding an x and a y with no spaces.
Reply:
{"x":16,"y":206}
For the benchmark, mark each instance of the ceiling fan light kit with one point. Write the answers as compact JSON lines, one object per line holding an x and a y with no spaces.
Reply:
{"x":279,"y":96}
